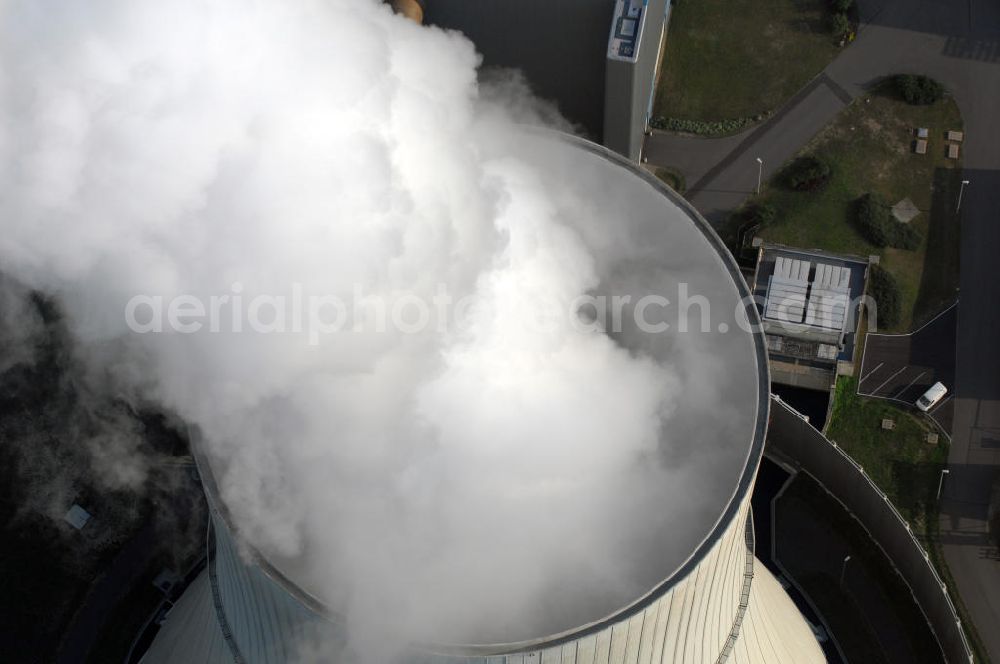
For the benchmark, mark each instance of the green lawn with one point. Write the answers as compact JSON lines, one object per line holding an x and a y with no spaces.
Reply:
{"x":900,"y":461}
{"x":901,"y":464}
{"x":727,"y":59}
{"x":868,"y":148}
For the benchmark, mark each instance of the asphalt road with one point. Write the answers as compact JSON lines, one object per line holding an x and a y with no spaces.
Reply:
{"x":958,"y":43}
{"x":808,"y":543}
{"x":900,"y":367}
{"x":771,"y":478}
{"x":121,"y":576}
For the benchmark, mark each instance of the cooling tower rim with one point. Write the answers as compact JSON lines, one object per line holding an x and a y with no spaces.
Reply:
{"x":744,"y":485}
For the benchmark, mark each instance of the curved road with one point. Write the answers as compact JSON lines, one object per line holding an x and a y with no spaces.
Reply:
{"x":958,"y":43}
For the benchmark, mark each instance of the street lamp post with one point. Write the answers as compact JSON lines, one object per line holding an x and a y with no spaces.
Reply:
{"x":944,"y":471}
{"x":960,"y":190}
{"x":760,"y":175}
{"x":843,"y":570}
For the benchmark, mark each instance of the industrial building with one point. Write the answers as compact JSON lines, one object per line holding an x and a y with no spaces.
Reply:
{"x":715,"y":603}
{"x":596,"y":59}
{"x":809,"y":303}
{"x":637,"y":33}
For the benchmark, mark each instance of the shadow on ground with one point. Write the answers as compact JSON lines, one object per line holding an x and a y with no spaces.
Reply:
{"x":866,"y":603}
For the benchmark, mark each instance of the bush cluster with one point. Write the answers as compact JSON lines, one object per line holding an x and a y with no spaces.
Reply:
{"x":747,"y":220}
{"x":884,"y":289}
{"x":807,"y":174}
{"x":674,"y":179}
{"x":839,"y":19}
{"x":760,"y":214}
{"x":917,"y":90}
{"x":703,"y":128}
{"x":878,"y":226}
{"x":840,"y":25}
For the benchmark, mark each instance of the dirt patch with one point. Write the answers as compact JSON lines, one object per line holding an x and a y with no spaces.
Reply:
{"x":874,"y":126}
{"x":882,"y":169}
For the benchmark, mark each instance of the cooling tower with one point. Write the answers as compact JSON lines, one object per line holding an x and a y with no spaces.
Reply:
{"x":706,"y":599}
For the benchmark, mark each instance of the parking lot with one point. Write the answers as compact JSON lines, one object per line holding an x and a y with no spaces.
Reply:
{"x":901,"y":367}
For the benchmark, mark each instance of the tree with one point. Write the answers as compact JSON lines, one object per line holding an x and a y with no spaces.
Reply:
{"x":839,"y":25}
{"x":761,"y":213}
{"x":807,"y":173}
{"x":884,"y":289}
{"x":917,"y":90}
{"x":876,"y":223}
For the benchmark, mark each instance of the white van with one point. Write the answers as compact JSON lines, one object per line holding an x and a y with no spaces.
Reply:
{"x":932,"y":396}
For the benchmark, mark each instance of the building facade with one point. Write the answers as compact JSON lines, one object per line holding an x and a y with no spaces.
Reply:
{"x":598,"y":60}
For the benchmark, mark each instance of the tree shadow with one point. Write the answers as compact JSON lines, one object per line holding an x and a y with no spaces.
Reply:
{"x":916,"y":489}
{"x":940,"y":277}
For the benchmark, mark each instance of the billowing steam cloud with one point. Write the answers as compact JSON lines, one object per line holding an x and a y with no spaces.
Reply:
{"x":502,"y":478}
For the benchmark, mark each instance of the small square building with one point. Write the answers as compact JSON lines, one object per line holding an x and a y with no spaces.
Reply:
{"x":809,"y":303}
{"x":77,"y":517}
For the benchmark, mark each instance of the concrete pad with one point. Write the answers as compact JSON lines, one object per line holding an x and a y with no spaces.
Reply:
{"x":77,"y":517}
{"x":905,"y":211}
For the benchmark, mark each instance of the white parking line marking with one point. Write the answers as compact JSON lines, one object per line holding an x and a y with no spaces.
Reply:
{"x":871,"y":372}
{"x":910,"y":384}
{"x":884,"y":383}
{"x":939,"y":404}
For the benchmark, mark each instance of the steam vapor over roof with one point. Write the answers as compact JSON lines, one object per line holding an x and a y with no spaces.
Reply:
{"x":711,"y":438}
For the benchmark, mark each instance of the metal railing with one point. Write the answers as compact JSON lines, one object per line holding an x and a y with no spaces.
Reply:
{"x":741,"y":611}
{"x":846,"y":480}
{"x":220,"y":613}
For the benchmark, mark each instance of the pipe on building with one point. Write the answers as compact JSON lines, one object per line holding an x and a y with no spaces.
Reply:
{"x":411,"y":9}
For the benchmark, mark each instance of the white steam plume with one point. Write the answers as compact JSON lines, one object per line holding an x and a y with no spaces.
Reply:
{"x":445,"y":483}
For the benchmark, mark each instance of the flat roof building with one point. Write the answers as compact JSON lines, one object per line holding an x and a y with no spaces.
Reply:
{"x":809,"y":304}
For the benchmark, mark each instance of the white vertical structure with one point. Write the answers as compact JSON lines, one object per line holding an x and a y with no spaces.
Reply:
{"x":638,"y":28}
{"x":718,"y":605}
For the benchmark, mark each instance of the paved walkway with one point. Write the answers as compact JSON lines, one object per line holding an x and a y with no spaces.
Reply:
{"x":721,"y":173}
{"x":958,"y":43}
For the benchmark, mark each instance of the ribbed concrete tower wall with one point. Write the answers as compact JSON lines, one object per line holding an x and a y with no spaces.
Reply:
{"x":720,"y":605}
{"x":727,"y":607}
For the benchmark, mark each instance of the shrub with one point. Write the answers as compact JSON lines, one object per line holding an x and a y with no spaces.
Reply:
{"x":703,"y":128}
{"x":745,"y":221}
{"x":884,"y":289}
{"x":674,"y":179}
{"x":917,"y":90}
{"x":841,"y":6}
{"x":839,"y":25}
{"x":871,"y":215}
{"x":876,"y":223}
{"x":807,"y":174}
{"x":760,"y":213}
